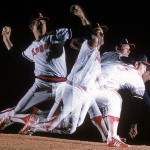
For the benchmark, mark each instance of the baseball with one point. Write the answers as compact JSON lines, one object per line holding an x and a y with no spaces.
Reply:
{"x":6,"y":29}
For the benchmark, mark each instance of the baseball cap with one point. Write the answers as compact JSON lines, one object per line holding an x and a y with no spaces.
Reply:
{"x":37,"y":16}
{"x":103,"y":27}
{"x":122,"y":41}
{"x":142,"y":58}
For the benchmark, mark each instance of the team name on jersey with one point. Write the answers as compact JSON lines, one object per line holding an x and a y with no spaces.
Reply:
{"x":124,"y":67}
{"x":40,"y":48}
{"x":97,"y":57}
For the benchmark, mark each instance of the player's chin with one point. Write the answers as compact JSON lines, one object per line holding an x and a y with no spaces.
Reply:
{"x":100,"y":44}
{"x":43,"y":32}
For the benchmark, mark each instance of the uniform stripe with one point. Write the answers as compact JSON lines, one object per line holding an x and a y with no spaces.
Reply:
{"x":52,"y":79}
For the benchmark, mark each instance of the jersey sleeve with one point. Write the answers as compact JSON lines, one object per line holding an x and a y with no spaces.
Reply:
{"x":86,"y":70}
{"x":16,"y":54}
{"x":138,"y":88}
{"x":136,"y":85}
{"x":109,"y":56}
{"x":28,"y":54}
{"x":63,"y":34}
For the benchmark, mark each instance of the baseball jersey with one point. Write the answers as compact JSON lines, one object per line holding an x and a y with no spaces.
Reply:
{"x":87,"y":67}
{"x":118,"y":75}
{"x":48,"y":54}
{"x":76,"y":98}
{"x":111,"y":56}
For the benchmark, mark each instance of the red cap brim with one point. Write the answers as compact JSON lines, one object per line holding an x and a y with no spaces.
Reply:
{"x":41,"y":18}
{"x":146,"y":63}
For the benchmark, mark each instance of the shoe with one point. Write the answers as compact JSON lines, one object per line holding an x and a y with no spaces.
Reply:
{"x":61,"y":130}
{"x":38,"y":128}
{"x":122,"y":139}
{"x":6,"y":119}
{"x":41,"y":127}
{"x":117,"y":143}
{"x":26,"y":129}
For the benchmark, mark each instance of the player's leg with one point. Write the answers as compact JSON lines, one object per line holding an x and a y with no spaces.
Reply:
{"x":5,"y":119}
{"x":96,"y":115}
{"x":87,"y":102}
{"x":44,"y":116}
{"x":3,"y":112}
{"x":83,"y":102}
{"x":72,"y":106}
{"x":34,"y":96}
{"x":114,"y":110}
{"x":57,"y":113}
{"x":58,"y":104}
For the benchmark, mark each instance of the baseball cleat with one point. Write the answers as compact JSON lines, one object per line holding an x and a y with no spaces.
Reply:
{"x":27,"y":126}
{"x":6,"y":120}
{"x":38,"y":128}
{"x":117,"y":143}
{"x":122,"y":139}
{"x":41,"y":127}
{"x":44,"y":127}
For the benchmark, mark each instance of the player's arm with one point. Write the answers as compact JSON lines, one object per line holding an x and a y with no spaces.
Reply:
{"x":146,"y":98}
{"x":6,"y":33}
{"x":79,"y":12}
{"x":85,"y":31}
{"x":133,"y":131}
{"x":89,"y":32}
{"x":146,"y":76}
{"x":136,"y":116}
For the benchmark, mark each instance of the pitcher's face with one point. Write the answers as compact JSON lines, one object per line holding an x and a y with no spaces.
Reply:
{"x":125,"y":50}
{"x":141,"y":68}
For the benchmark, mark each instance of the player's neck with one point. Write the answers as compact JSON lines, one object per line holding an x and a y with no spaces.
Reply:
{"x":38,"y":37}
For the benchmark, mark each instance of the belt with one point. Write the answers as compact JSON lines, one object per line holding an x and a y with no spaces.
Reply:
{"x":52,"y":78}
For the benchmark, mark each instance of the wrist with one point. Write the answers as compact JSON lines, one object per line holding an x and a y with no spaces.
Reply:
{"x":8,"y":44}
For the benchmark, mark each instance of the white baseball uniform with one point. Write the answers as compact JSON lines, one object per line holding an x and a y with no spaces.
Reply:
{"x":76,"y":95}
{"x":115,"y":76}
{"x":48,"y":55}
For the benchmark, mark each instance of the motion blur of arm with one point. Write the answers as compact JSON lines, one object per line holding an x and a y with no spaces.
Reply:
{"x":146,"y":76}
{"x":136,"y":117}
{"x":16,"y":55}
{"x":86,"y":24}
{"x":146,"y":97}
{"x":133,"y":131}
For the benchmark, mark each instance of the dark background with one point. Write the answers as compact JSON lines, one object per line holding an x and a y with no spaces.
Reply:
{"x":122,"y":18}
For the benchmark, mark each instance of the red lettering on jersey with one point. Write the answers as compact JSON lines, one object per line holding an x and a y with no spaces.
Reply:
{"x":33,"y":53}
{"x":41,"y":48}
{"x":37,"y":50}
{"x":125,"y":67}
{"x":122,"y":67}
{"x":97,"y":57}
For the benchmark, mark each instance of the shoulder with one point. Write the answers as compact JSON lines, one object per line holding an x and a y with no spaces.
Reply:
{"x":62,"y":29}
{"x":108,"y":53}
{"x":109,"y":56}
